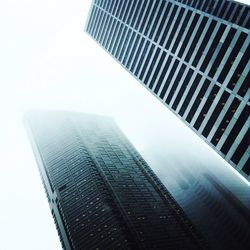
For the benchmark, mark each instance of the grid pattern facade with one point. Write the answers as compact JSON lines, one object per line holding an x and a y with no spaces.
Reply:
{"x":193,"y":56}
{"x":102,"y":191}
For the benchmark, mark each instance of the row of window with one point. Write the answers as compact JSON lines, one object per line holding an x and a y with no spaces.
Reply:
{"x":193,"y":30}
{"x":228,"y":10}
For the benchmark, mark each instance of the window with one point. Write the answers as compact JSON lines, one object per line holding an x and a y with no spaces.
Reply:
{"x":232,"y":57}
{"x":160,"y":28}
{"x":182,"y":30}
{"x":170,"y":21}
{"x":176,"y":83}
{"x":213,"y":47}
{"x":222,"y":51}
{"x":242,"y":148}
{"x":176,"y":24}
{"x":206,"y":107}
{"x":198,"y":100}
{"x":235,"y":130}
{"x":152,"y":65}
{"x":238,"y":71}
{"x":190,"y":94}
{"x":188,"y":35}
{"x":163,"y":73}
{"x":170,"y":76}
{"x":182,"y":89}
{"x":159,"y":65}
{"x":196,"y":39}
{"x":215,"y":114}
{"x":204,"y":43}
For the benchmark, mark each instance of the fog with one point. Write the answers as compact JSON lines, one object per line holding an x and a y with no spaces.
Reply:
{"x":48,"y":62}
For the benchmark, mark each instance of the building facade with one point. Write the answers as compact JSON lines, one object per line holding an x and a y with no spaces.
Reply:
{"x":193,"y":56}
{"x":101,"y":192}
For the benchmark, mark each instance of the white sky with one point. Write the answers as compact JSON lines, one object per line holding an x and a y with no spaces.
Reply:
{"x":48,"y":62}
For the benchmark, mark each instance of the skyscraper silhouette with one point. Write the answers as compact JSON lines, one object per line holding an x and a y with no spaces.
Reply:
{"x":101,"y":192}
{"x":193,"y":56}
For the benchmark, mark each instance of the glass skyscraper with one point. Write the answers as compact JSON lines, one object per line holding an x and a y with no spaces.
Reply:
{"x":193,"y":56}
{"x":101,"y":192}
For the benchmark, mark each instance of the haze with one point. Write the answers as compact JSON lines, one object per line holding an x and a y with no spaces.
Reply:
{"x":48,"y":62}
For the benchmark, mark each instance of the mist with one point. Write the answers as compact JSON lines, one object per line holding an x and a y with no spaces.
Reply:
{"x":48,"y":62}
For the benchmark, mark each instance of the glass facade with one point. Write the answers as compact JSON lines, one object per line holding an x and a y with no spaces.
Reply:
{"x":102,"y":194}
{"x":193,"y":56}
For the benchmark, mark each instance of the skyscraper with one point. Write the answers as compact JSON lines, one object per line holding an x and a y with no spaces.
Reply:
{"x":102,"y":194}
{"x":193,"y":56}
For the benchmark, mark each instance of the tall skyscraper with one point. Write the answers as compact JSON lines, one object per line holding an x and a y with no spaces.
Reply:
{"x":102,"y":194}
{"x":193,"y":56}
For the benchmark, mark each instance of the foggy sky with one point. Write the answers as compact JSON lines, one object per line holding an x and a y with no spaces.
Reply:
{"x":48,"y":62}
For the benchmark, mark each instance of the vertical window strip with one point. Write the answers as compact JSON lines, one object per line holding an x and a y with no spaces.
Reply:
{"x":159,"y":6}
{"x":151,"y":65}
{"x":221,"y":53}
{"x":146,"y":62}
{"x":172,"y":77}
{"x":136,"y":54}
{"x":242,"y":18}
{"x":176,"y":83}
{"x":120,"y":42}
{"x":246,"y":167}
{"x":176,"y":32}
{"x":194,"y":38}
{"x":215,"y":113}
{"x":129,"y":47}
{"x":164,"y":67}
{"x":203,"y":43}
{"x":91,"y":18}
{"x":218,"y":32}
{"x":225,"y":121}
{"x":135,"y":16}
{"x":194,"y":83}
{"x":167,"y":25}
{"x":182,"y":46}
{"x":122,"y":12}
{"x":206,"y":107}
{"x":182,"y":89}
{"x":92,"y":26}
{"x":183,"y":28}
{"x":132,"y":52}
{"x":131,"y":13}
{"x":242,"y":148}
{"x":118,"y":35}
{"x":158,"y":66}
{"x":140,"y":13}
{"x":102,"y":26}
{"x":116,"y":8}
{"x":106,"y":31}
{"x":172,"y":31}
{"x":244,"y":86}
{"x":126,"y":10}
{"x":169,"y":78}
{"x":96,"y":25}
{"x":191,"y":112}
{"x":146,"y":14}
{"x":112,"y":37}
{"x":159,"y":28}
{"x":235,"y":130}
{"x":237,"y":14}
{"x":142,"y":57}
{"x":243,"y":62}
{"x":124,"y":44}
{"x":231,"y":58}
{"x":110,"y":31}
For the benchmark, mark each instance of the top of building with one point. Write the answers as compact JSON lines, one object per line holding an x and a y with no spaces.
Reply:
{"x":231,"y":11}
